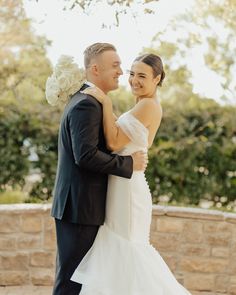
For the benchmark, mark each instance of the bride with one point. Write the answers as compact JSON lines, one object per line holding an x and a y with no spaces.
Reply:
{"x":122,"y":260}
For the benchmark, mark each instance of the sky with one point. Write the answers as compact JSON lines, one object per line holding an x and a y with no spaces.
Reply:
{"x":71,"y":31}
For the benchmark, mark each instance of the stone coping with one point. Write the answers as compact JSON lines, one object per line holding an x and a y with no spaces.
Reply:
{"x":182,"y":212}
{"x":19,"y":208}
{"x":194,"y":213}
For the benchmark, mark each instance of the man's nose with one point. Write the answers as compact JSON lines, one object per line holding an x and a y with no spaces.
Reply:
{"x":120,"y":71}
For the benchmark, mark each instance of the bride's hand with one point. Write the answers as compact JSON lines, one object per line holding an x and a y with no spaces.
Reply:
{"x":96,"y":93}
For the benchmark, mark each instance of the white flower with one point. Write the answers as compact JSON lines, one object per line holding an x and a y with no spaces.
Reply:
{"x":52,"y":90}
{"x":65,"y":80}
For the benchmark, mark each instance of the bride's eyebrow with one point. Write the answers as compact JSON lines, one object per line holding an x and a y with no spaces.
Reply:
{"x":143,"y":74}
{"x":131,"y":72}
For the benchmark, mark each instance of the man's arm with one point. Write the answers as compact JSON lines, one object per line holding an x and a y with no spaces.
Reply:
{"x":84,"y":121}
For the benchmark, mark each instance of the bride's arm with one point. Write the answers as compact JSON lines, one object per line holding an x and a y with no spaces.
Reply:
{"x":116,"y":139}
{"x":115,"y":117}
{"x":144,"y":111}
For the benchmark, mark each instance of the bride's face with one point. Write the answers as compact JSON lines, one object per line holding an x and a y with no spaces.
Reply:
{"x":142,"y":81}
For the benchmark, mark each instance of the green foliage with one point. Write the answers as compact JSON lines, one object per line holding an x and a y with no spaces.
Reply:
{"x":24,"y":66}
{"x":122,"y":100}
{"x":12,"y":197}
{"x":194,"y":154}
{"x":26,"y":135}
{"x":45,"y":147}
{"x":193,"y":157}
{"x":27,"y":123}
{"x":13,"y":153}
{"x":208,"y":31}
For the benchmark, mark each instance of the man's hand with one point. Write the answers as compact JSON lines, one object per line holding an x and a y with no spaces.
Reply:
{"x":140,"y":160}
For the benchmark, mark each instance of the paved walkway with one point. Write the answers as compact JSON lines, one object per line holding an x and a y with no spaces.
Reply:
{"x":41,"y":290}
{"x":26,"y":290}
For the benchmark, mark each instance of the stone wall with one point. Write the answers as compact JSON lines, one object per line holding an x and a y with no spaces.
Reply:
{"x":198,"y":245}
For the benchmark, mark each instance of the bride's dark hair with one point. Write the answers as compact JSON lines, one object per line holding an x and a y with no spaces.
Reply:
{"x":155,"y":62}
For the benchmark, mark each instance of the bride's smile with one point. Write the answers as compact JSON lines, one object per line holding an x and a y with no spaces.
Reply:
{"x":142,"y":80}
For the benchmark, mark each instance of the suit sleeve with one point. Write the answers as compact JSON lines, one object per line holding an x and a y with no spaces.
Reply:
{"x":84,"y":122}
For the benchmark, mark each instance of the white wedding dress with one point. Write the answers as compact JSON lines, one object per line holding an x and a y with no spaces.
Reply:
{"x":121,"y":260}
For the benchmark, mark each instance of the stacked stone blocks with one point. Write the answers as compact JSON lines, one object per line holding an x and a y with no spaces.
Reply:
{"x":198,"y":245}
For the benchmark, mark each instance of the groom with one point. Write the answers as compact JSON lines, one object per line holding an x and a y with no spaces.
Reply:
{"x":83,"y":166}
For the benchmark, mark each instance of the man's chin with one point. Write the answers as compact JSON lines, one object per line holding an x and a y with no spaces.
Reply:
{"x":115,"y":86}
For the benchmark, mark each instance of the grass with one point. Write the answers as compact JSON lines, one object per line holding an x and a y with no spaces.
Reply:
{"x":13,"y":197}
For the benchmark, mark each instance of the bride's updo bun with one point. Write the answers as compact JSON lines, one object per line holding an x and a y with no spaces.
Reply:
{"x":155,"y":62}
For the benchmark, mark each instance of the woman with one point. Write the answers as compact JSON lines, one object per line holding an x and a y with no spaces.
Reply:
{"x":121,"y":260}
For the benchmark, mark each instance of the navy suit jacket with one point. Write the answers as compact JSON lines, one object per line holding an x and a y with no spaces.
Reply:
{"x":84,"y":163}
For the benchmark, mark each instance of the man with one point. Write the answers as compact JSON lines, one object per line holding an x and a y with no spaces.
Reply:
{"x":83,"y":165}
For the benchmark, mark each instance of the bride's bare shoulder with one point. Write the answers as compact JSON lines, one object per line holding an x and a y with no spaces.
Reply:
{"x":149,"y":106}
{"x":148,"y":111}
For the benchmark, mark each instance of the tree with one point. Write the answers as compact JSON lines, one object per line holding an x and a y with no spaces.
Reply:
{"x":193,"y":158}
{"x":207,"y":30}
{"x":119,"y":7}
{"x":24,"y":66}
{"x":219,"y":22}
{"x":194,"y":154}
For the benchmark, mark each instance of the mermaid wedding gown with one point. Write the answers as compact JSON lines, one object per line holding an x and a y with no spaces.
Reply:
{"x":121,"y":260}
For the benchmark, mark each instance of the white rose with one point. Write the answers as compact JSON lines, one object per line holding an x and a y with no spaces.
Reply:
{"x":66,"y":79}
{"x":63,"y":97}
{"x":52,"y":90}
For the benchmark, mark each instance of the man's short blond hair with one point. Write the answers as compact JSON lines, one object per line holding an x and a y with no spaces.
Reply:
{"x":94,"y":50}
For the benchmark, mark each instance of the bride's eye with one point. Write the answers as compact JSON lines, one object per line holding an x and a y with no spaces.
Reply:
{"x":131,"y":74}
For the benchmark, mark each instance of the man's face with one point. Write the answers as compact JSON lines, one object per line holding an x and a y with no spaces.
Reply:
{"x":109,"y":70}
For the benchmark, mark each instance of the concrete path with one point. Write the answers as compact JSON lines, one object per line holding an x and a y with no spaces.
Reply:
{"x":26,"y":290}
{"x":41,"y":290}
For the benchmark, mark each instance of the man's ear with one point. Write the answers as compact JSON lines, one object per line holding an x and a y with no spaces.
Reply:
{"x":94,"y":69}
